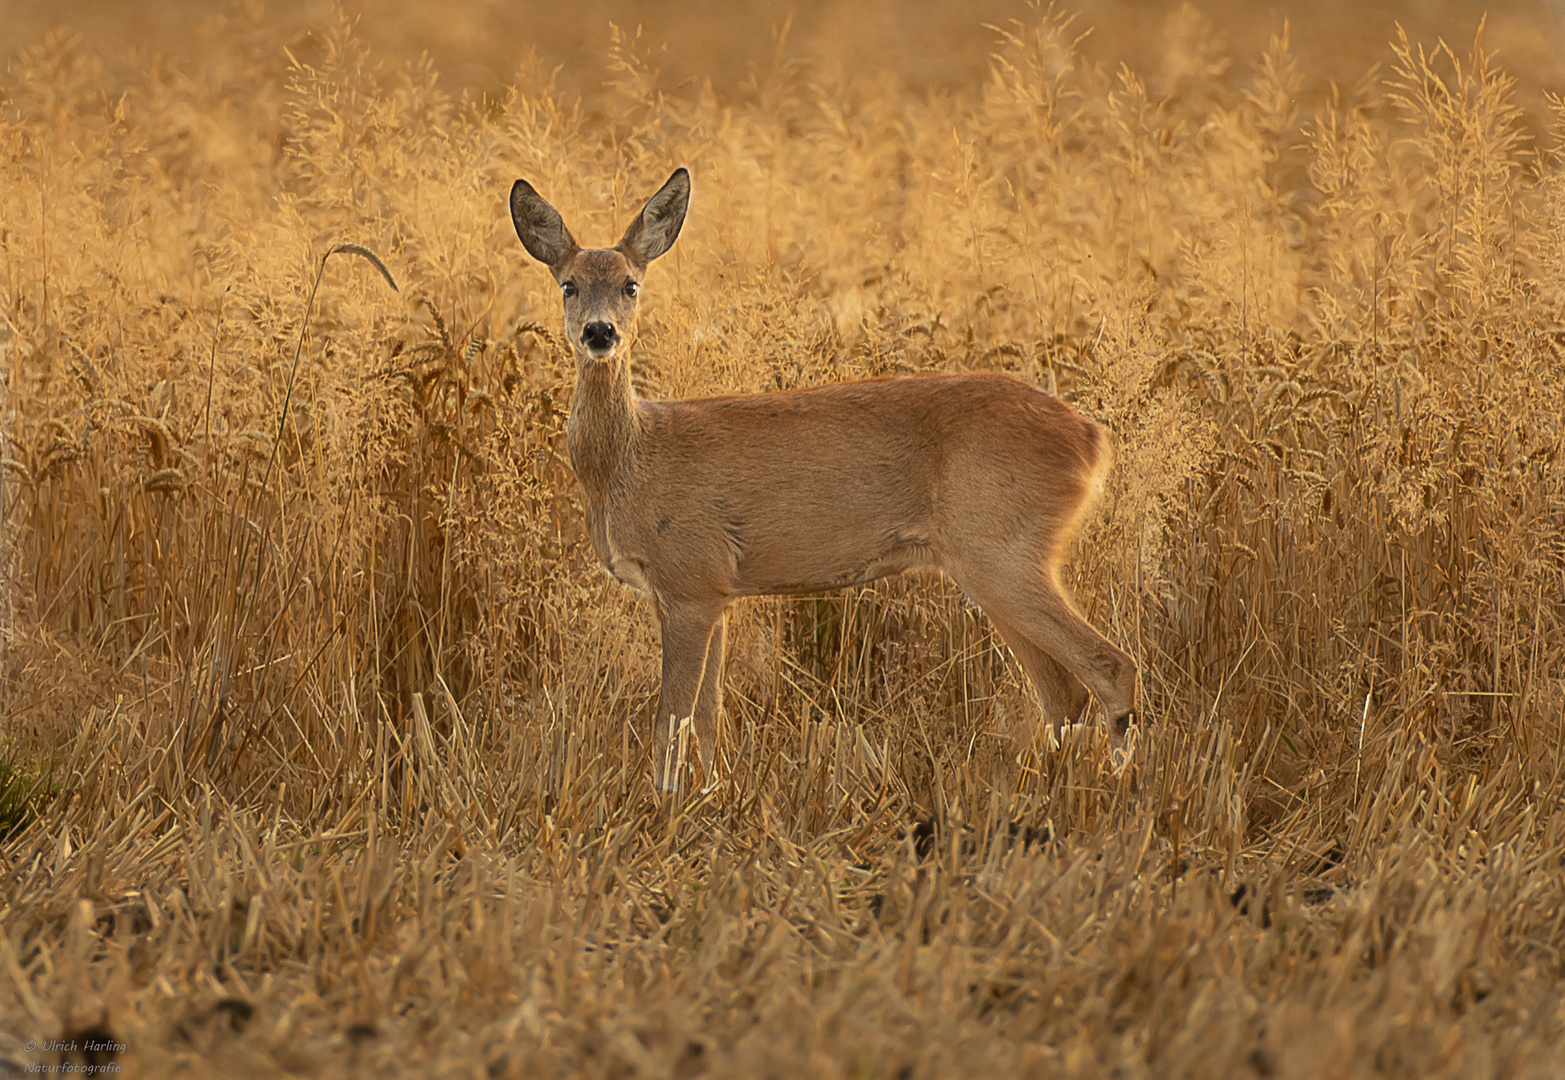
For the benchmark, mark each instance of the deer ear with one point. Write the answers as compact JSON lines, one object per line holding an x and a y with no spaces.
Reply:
{"x":542,"y":231}
{"x":657,"y":226}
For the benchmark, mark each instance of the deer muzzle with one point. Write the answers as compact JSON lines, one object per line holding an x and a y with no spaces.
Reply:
{"x":599,"y":337}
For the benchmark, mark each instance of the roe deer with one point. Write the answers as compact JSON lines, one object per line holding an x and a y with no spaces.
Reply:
{"x":699,"y":502}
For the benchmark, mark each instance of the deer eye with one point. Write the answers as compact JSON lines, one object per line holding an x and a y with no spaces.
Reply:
{"x":631,"y":289}
{"x":569,"y":289}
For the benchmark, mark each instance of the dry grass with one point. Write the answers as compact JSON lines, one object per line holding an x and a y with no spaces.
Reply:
{"x":343,"y":718}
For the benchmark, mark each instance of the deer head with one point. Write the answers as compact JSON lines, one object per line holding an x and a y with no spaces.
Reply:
{"x":599,"y":286}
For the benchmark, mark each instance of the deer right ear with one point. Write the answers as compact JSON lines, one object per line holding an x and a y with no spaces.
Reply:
{"x":540,"y":227}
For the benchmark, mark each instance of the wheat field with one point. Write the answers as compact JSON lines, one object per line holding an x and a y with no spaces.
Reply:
{"x":323,"y":742}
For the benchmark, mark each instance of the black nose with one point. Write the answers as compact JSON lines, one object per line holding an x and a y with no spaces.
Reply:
{"x":598,"y":335}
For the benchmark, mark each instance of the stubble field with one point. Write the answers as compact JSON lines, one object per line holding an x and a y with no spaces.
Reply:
{"x":322,"y":745}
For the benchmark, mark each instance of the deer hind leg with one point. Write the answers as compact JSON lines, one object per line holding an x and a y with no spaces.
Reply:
{"x":1037,"y":611}
{"x":1061,"y":694}
{"x":686,"y":715}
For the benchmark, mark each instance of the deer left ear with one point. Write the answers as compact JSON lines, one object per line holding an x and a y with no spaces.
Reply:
{"x":657,"y":226}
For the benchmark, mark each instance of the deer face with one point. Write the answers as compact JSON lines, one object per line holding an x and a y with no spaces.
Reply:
{"x":599,"y":286}
{"x":599,"y":290}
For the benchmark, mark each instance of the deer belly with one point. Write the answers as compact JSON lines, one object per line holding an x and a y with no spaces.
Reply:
{"x":817,"y":568}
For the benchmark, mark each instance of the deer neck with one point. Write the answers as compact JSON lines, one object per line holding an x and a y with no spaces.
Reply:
{"x":604,"y":425}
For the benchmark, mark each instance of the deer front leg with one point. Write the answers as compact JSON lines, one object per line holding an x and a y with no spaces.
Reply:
{"x":687,"y":703}
{"x":709,"y":702}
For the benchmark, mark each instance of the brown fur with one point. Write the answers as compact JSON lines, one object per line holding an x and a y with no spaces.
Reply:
{"x":703,"y":501}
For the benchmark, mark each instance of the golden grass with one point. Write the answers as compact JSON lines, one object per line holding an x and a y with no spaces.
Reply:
{"x":344,"y":719}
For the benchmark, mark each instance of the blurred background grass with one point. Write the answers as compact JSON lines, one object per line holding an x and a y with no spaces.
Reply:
{"x":931,"y":45}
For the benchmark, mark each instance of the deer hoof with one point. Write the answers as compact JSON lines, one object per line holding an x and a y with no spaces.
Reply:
{"x":1069,"y":735}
